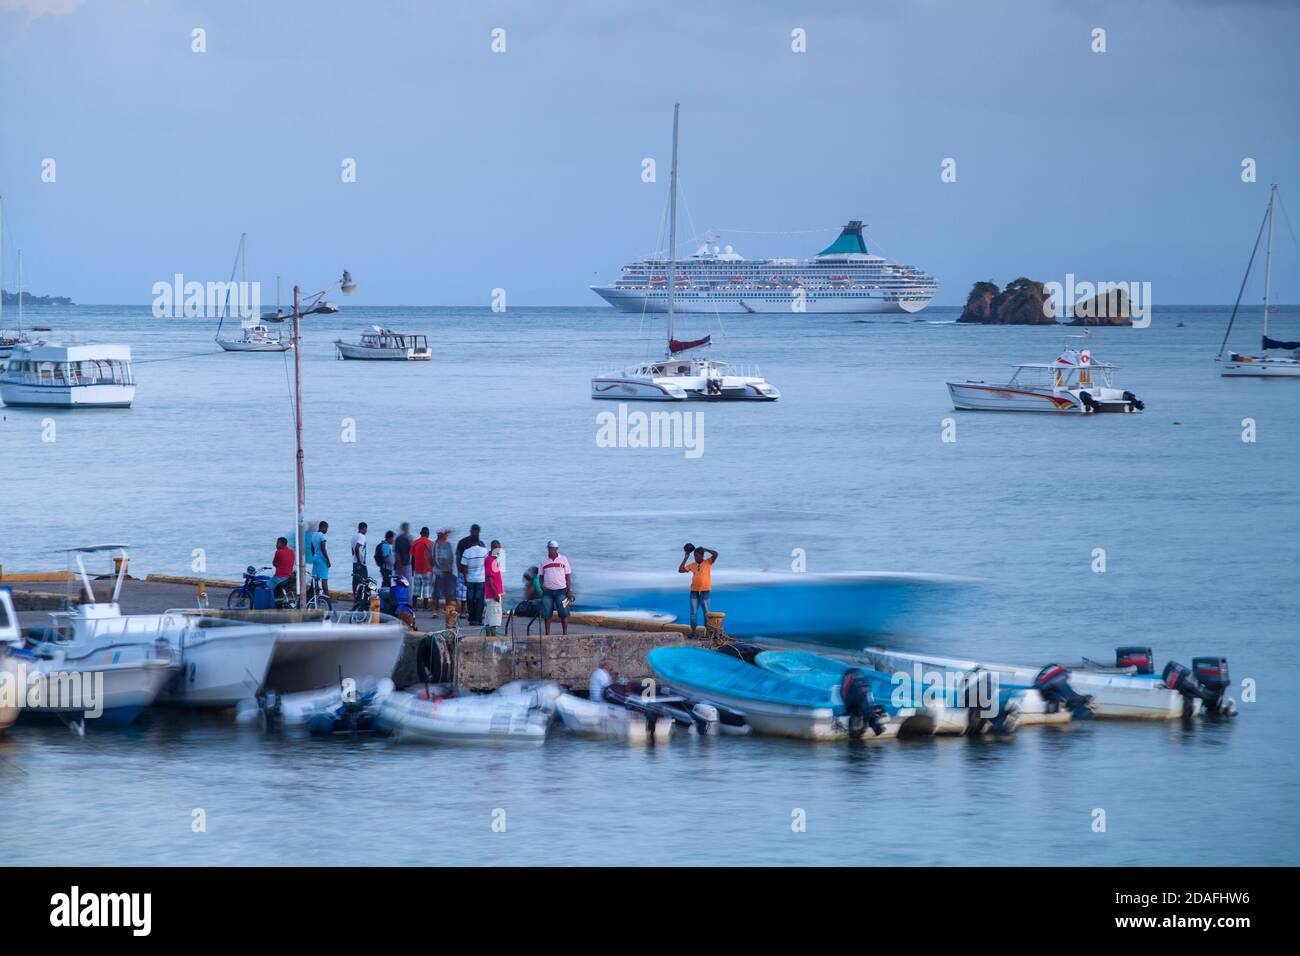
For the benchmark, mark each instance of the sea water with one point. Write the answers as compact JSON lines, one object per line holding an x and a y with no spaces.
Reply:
{"x":1177,"y":528}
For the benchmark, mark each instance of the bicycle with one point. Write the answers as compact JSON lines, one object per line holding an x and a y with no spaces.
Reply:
{"x":318,"y":599}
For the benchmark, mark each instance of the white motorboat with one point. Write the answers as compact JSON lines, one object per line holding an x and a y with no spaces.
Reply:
{"x":68,"y":376}
{"x":75,"y":671}
{"x":510,"y":715}
{"x":1072,"y":384}
{"x":12,"y":684}
{"x":685,"y":373}
{"x":257,"y":338}
{"x":1127,"y":690}
{"x":381,"y":344}
{"x":590,"y":718}
{"x":1273,"y":363}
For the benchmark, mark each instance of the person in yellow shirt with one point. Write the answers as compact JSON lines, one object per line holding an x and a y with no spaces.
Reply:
{"x":701,"y":572}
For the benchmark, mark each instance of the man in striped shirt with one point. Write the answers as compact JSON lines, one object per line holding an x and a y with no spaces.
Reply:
{"x":557,"y":586}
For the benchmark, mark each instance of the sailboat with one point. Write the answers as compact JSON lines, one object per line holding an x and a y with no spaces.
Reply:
{"x":254,"y":336}
{"x":1239,"y":365}
{"x":685,"y":372}
{"x":8,"y":340}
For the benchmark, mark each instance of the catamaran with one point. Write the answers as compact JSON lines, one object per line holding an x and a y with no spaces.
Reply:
{"x":1073,"y":383}
{"x":1238,"y":365}
{"x":685,"y":372}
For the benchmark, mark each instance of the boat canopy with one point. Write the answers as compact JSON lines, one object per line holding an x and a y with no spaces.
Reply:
{"x":850,"y":242}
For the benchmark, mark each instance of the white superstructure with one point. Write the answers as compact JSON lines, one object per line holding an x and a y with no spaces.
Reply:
{"x":843,"y":277}
{"x":68,"y":376}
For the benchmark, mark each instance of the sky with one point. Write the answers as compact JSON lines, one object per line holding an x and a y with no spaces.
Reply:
{"x":522,"y":170}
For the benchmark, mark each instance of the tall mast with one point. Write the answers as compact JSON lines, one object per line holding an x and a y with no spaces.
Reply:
{"x":672,"y":230}
{"x":243,"y":274}
{"x":2,"y":261}
{"x":1268,"y":254}
{"x":20,"y":290}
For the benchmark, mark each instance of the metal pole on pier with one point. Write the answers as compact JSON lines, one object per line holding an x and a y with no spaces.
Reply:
{"x":297,"y":427}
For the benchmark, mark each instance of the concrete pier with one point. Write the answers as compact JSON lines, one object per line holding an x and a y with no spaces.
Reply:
{"x":480,"y":663}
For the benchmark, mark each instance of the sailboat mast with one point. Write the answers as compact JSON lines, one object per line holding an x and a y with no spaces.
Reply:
{"x":1268,"y":254}
{"x":672,"y":231}
{"x":2,"y":261}
{"x":20,"y":290}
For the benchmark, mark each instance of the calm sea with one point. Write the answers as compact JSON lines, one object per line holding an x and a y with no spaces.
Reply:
{"x":1199,"y":530}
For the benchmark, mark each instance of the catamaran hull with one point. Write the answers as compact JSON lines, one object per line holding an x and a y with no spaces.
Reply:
{"x":67,"y":396}
{"x":636,"y":390}
{"x":221,"y":666}
{"x":740,"y":303}
{"x":312,"y":655}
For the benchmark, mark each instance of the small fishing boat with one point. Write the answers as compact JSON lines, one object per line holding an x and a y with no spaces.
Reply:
{"x":773,"y":703}
{"x":381,"y":344}
{"x":517,"y":713}
{"x":1072,"y":384}
{"x":1273,"y":363}
{"x":1130,"y":689}
{"x":40,"y":374}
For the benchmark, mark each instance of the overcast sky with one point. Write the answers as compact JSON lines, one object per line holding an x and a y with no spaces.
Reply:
{"x":522,"y":170}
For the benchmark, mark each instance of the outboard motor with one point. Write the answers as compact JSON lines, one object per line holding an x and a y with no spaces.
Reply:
{"x":1207,"y":683}
{"x":859,"y":704}
{"x":1134,"y":401}
{"x":1139,"y":657}
{"x":1089,"y":403}
{"x":705,"y":717}
{"x":1053,"y":682}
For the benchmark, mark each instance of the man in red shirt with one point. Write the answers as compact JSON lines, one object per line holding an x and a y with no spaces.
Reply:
{"x":283,"y":563}
{"x":422,"y":562}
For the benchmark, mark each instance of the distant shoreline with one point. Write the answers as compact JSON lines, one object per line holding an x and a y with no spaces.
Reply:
{"x":11,"y":298}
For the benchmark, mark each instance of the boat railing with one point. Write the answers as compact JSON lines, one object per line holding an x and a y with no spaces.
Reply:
{"x":219,"y":617}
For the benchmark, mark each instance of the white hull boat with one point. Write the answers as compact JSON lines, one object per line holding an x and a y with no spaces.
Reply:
{"x":1073,"y":384}
{"x":52,"y":375}
{"x":684,"y":374}
{"x":1113,"y":694}
{"x":1280,"y":359}
{"x":257,"y":338}
{"x":221,"y":662}
{"x":589,"y":718}
{"x":384,"y":345}
{"x":497,"y":718}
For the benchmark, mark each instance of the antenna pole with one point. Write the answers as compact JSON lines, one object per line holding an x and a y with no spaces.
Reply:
{"x":297,"y":426}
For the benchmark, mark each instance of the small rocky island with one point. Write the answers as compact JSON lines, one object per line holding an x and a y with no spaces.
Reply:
{"x":11,"y":298}
{"x":1027,"y":302}
{"x":1022,"y":302}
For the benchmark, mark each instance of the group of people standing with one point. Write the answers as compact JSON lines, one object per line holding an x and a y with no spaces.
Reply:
{"x":430,"y":573}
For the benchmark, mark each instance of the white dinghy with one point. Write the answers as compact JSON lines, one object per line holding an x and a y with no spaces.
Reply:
{"x":518,"y":713}
{"x":590,"y":718}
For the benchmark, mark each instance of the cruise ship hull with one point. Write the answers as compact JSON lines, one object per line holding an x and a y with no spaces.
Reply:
{"x":629,"y":300}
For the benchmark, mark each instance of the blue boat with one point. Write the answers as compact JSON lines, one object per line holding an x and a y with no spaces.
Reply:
{"x":771,"y":702}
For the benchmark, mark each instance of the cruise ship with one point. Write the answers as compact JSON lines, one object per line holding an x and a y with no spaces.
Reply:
{"x":843,"y":277}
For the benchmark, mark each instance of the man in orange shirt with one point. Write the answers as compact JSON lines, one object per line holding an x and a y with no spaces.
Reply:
{"x":701,"y":572}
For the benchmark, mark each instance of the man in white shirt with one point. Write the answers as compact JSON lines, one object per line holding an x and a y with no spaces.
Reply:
{"x":557,"y":586}
{"x":359,"y":556}
{"x":601,"y":678}
{"x":471,"y":565}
